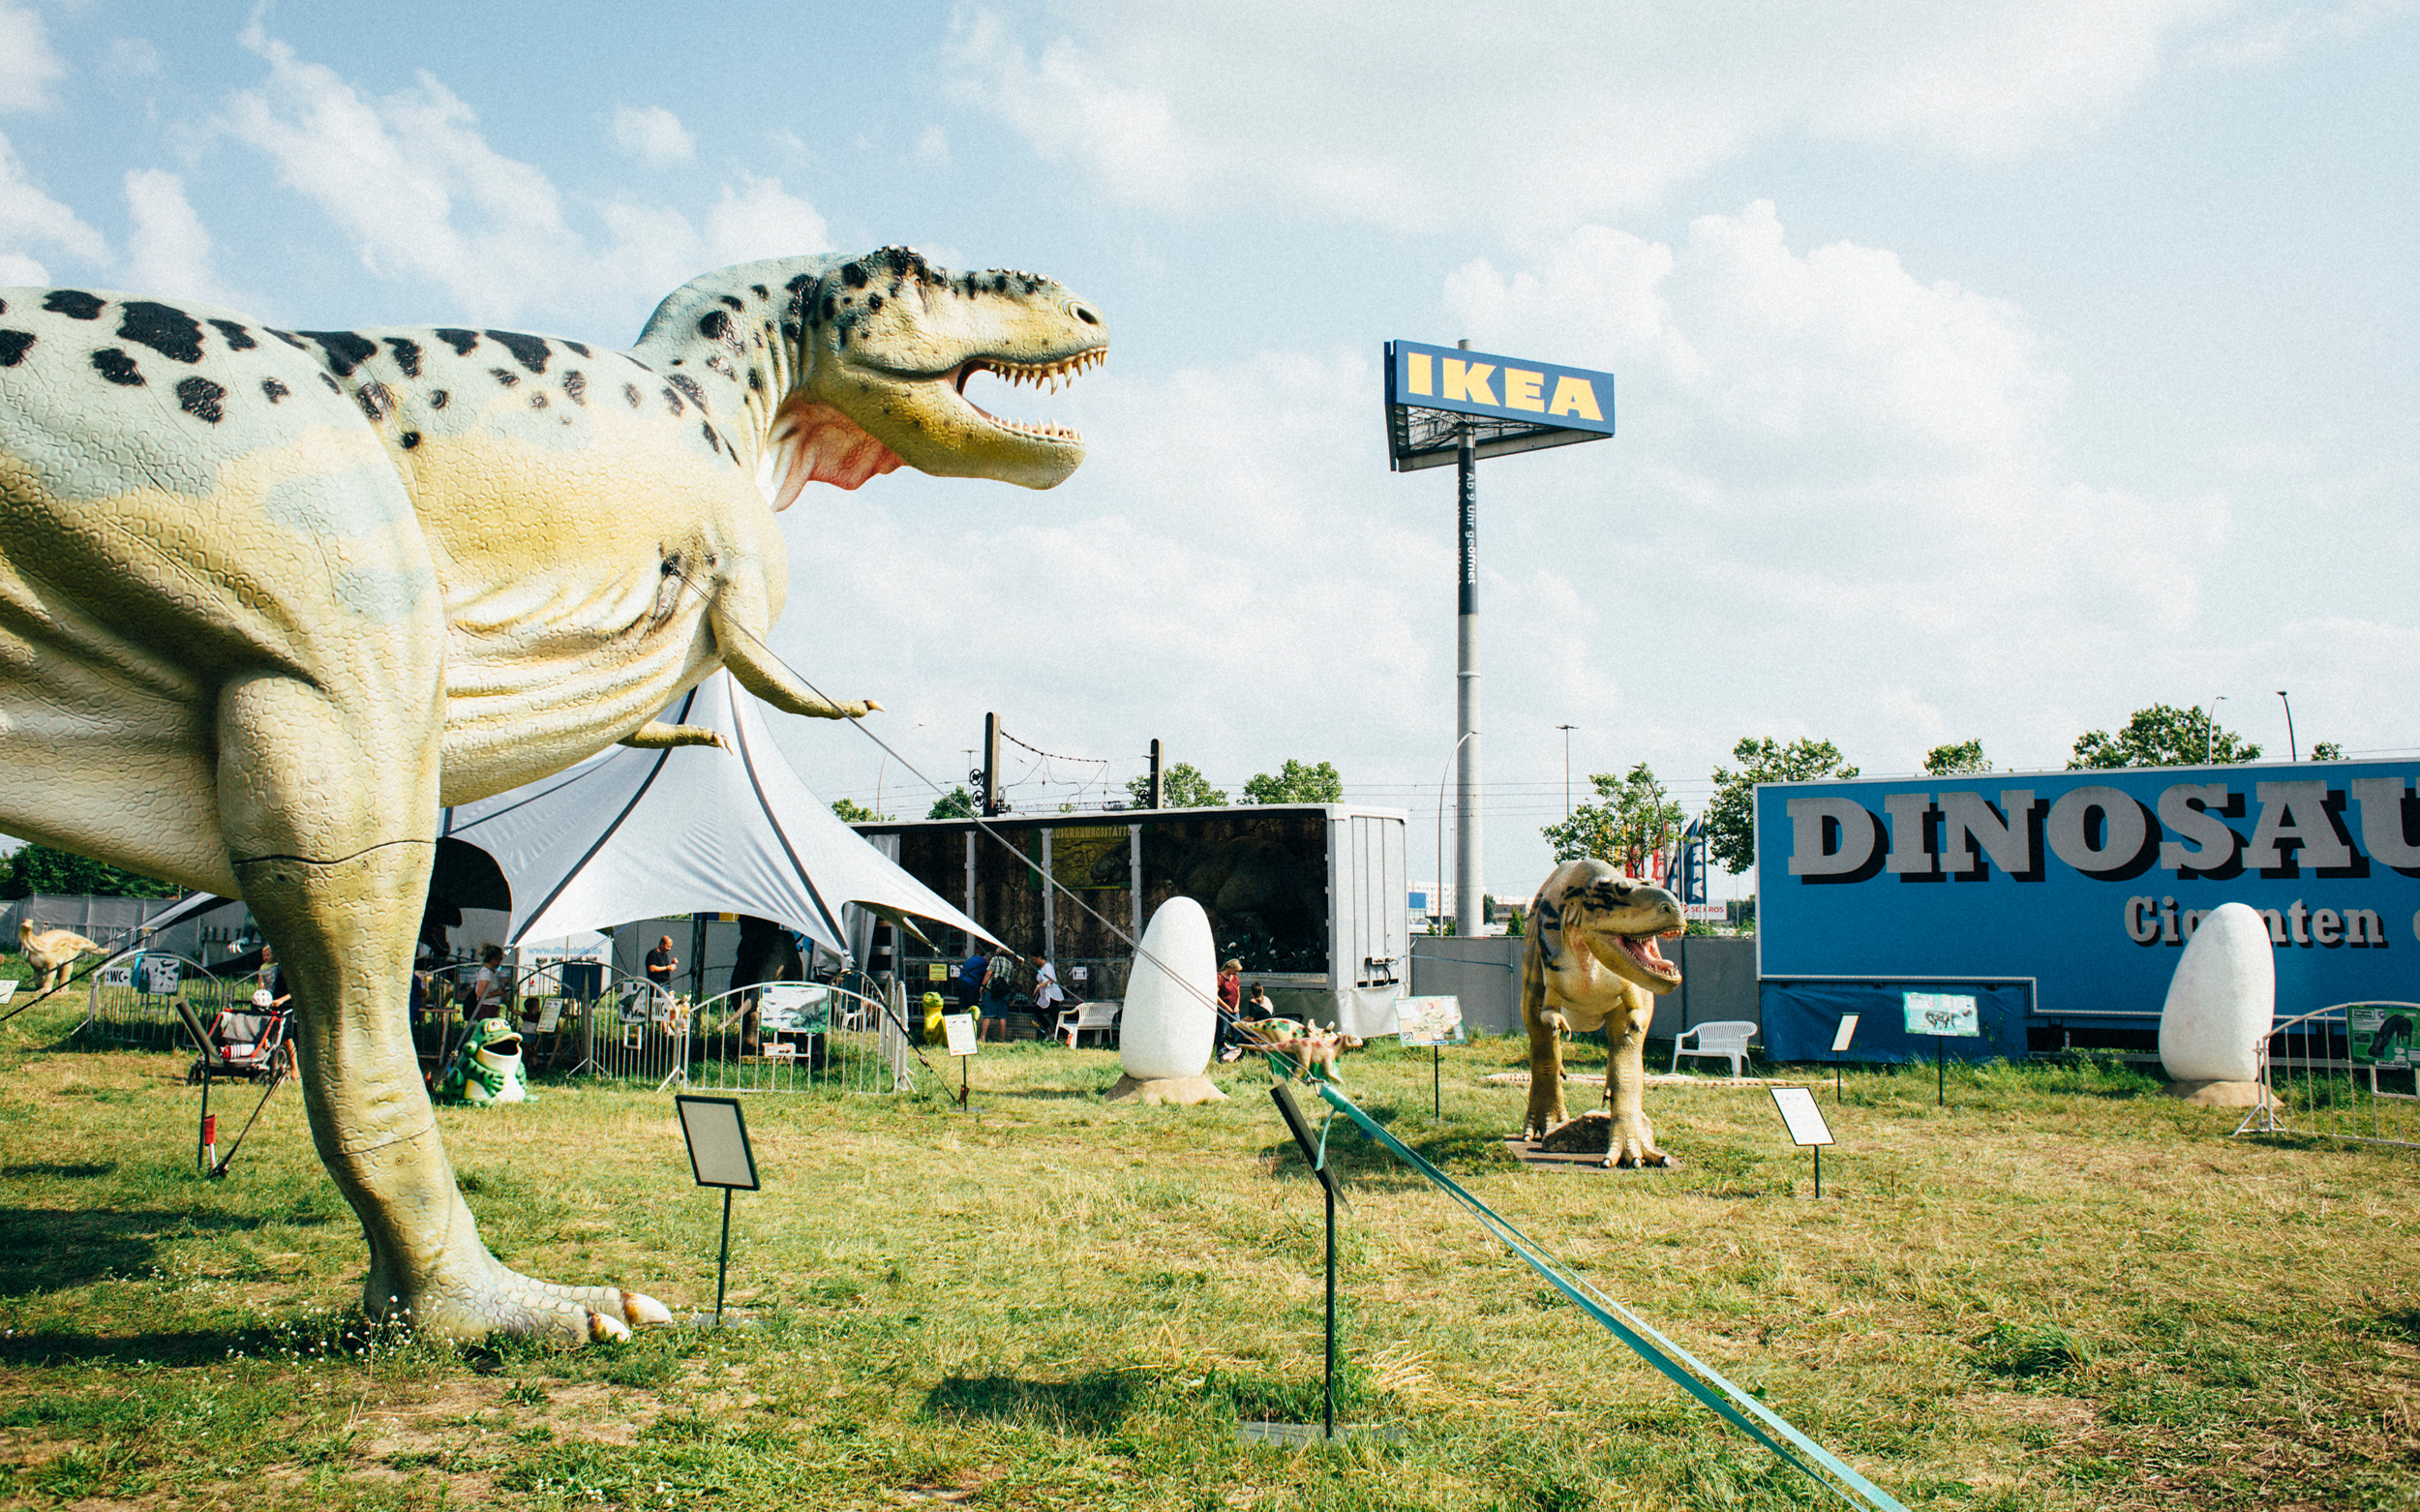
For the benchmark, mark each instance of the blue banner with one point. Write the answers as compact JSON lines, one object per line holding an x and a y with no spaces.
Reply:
{"x":2087,"y":884}
{"x":1500,"y":387}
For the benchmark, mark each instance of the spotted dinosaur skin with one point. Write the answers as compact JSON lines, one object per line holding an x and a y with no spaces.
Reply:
{"x":1591,"y":963}
{"x":269,"y":598}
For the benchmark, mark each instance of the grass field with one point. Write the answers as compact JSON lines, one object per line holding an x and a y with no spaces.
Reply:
{"x":2063,"y":1290}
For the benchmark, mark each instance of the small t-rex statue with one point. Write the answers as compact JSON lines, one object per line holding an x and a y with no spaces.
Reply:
{"x":1591,"y":962}
{"x":269,"y":598}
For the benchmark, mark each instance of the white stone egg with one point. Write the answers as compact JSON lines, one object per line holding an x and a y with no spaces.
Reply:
{"x":1172,"y":1015}
{"x":2222,"y":999}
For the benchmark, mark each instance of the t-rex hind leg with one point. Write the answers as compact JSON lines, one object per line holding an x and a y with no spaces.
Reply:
{"x":329,"y":835}
{"x":1630,"y":1138}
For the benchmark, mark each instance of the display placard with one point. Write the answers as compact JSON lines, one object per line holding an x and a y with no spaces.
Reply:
{"x":2381,"y":1034}
{"x":796,"y":1008}
{"x":1800,"y":1116}
{"x":1846,"y":1031}
{"x":936,"y":971}
{"x":717,"y":1133}
{"x":1951,"y":1016}
{"x":1425,"y":1021}
{"x":959,"y":1029}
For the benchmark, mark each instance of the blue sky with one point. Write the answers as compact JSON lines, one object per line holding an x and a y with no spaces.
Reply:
{"x":1985,"y":372}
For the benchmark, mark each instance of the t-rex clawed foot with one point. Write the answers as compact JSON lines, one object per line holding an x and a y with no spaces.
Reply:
{"x":496,"y":1300}
{"x":1630,"y":1141}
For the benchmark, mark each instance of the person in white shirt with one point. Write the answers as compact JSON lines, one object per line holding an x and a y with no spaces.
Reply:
{"x":1047,"y":997}
{"x":486,"y":989}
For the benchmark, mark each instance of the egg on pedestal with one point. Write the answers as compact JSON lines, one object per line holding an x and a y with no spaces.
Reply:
{"x":2220,"y":1005}
{"x":1170,"y":1021}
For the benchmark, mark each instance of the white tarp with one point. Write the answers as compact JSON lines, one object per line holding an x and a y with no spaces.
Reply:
{"x":638,"y":834}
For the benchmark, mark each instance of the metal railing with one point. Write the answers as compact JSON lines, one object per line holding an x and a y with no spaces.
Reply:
{"x":130,"y":999}
{"x":2341,"y":1073}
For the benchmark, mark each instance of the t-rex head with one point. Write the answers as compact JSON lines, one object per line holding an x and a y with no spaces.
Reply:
{"x":1617,"y":920}
{"x":873,"y":359}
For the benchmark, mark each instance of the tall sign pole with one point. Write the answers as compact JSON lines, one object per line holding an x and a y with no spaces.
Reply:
{"x":1470,"y":910}
{"x":1450,"y":404}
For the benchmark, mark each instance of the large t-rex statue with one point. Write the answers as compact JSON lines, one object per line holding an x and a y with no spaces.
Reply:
{"x":1591,"y":962}
{"x":268,"y":599}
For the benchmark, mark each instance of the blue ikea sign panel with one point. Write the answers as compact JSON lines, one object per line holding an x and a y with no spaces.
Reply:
{"x":2087,"y":884}
{"x":1500,"y":387}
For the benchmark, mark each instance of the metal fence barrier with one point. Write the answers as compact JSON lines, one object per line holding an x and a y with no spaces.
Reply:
{"x":130,"y":1000}
{"x":2341,"y":1072}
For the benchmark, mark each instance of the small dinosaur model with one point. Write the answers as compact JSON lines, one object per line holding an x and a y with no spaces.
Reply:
{"x":51,"y":951}
{"x":269,"y":598}
{"x":1591,"y":962}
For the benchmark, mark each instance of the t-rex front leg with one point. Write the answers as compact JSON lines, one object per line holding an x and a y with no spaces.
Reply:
{"x":1631,"y":1137}
{"x":763,"y":675}
{"x":657,"y":735}
{"x":329,"y":800}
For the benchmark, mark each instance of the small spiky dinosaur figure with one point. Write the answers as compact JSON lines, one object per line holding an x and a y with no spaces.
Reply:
{"x":1591,"y":963}
{"x":269,"y":598}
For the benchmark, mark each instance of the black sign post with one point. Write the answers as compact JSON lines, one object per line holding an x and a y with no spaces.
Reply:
{"x":719,"y":1156}
{"x":1316,"y":1160}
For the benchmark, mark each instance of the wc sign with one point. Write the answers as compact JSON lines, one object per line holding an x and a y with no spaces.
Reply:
{"x":2089,"y":884}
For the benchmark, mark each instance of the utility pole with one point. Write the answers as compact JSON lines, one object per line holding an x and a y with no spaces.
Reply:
{"x":988,"y":801}
{"x":1566,"y":729}
{"x":1470,"y":908}
{"x":1158,"y":792}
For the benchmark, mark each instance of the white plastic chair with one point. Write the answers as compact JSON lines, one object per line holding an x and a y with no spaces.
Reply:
{"x":1723,"y":1039}
{"x":1081,"y":1018}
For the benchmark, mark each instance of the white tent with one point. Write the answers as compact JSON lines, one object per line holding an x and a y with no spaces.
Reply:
{"x":637,"y":834}
{"x":631,"y":835}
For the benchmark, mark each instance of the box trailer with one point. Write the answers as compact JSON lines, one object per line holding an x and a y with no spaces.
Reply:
{"x":1312,"y":898}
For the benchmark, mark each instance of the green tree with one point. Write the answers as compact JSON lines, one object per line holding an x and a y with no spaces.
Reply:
{"x":1296,"y":783}
{"x":1956,"y":761}
{"x":2327,"y":750}
{"x":1184,"y":788}
{"x":956,"y":803}
{"x":850,"y":812}
{"x":2163,"y":736}
{"x":1731,"y":818}
{"x":1635,"y":817}
{"x":38,"y":868}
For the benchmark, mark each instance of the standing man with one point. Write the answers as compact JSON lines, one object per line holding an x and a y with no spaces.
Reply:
{"x":970,"y":977}
{"x":1046,"y":997}
{"x":661,"y":963}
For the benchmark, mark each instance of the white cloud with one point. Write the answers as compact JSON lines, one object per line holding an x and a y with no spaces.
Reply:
{"x":760,"y":218}
{"x":653,"y":136}
{"x":1536,"y":118}
{"x":28,"y":68}
{"x":932,"y":147}
{"x":415,"y":184}
{"x":169,"y":250}
{"x":30,"y":218}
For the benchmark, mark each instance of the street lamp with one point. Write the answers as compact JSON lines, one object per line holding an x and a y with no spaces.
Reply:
{"x":2291,"y":753}
{"x":1441,"y":820}
{"x":1566,"y":729}
{"x":2209,"y":727}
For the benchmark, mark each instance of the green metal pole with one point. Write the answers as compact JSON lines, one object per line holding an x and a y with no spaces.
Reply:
{"x":1437,"y":1082}
{"x":722,"y":1267}
{"x":1819,"y":1173}
{"x":1331,"y":1359}
{"x":1941,"y":1077}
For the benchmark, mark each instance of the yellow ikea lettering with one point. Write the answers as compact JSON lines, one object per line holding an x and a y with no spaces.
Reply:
{"x":1575,"y":396}
{"x":1520,"y":389}
{"x":1467,"y":382}
{"x":1418,"y":363}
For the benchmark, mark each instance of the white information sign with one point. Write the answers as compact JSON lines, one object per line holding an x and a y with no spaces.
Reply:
{"x":1951,"y":1016}
{"x":1800,"y":1116}
{"x":1706,"y":912}
{"x":717,"y":1134}
{"x":1847,"y":1031}
{"x":1428,"y":1021}
{"x":796,"y":1008}
{"x":960,"y":1030}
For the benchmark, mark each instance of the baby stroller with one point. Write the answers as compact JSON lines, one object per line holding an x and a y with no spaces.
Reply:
{"x":254,"y":1042}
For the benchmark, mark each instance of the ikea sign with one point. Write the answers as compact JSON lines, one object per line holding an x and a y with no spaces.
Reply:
{"x":2087,"y":884}
{"x":1499,"y":388}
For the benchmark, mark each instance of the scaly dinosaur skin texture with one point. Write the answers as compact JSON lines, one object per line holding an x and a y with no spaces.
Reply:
{"x":268,"y":599}
{"x":1591,"y":962}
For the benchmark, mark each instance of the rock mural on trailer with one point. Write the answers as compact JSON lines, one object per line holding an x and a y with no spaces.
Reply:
{"x":300,"y":589}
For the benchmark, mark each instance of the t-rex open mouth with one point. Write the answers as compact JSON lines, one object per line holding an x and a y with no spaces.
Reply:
{"x":1038,"y":374}
{"x":1640,"y":948}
